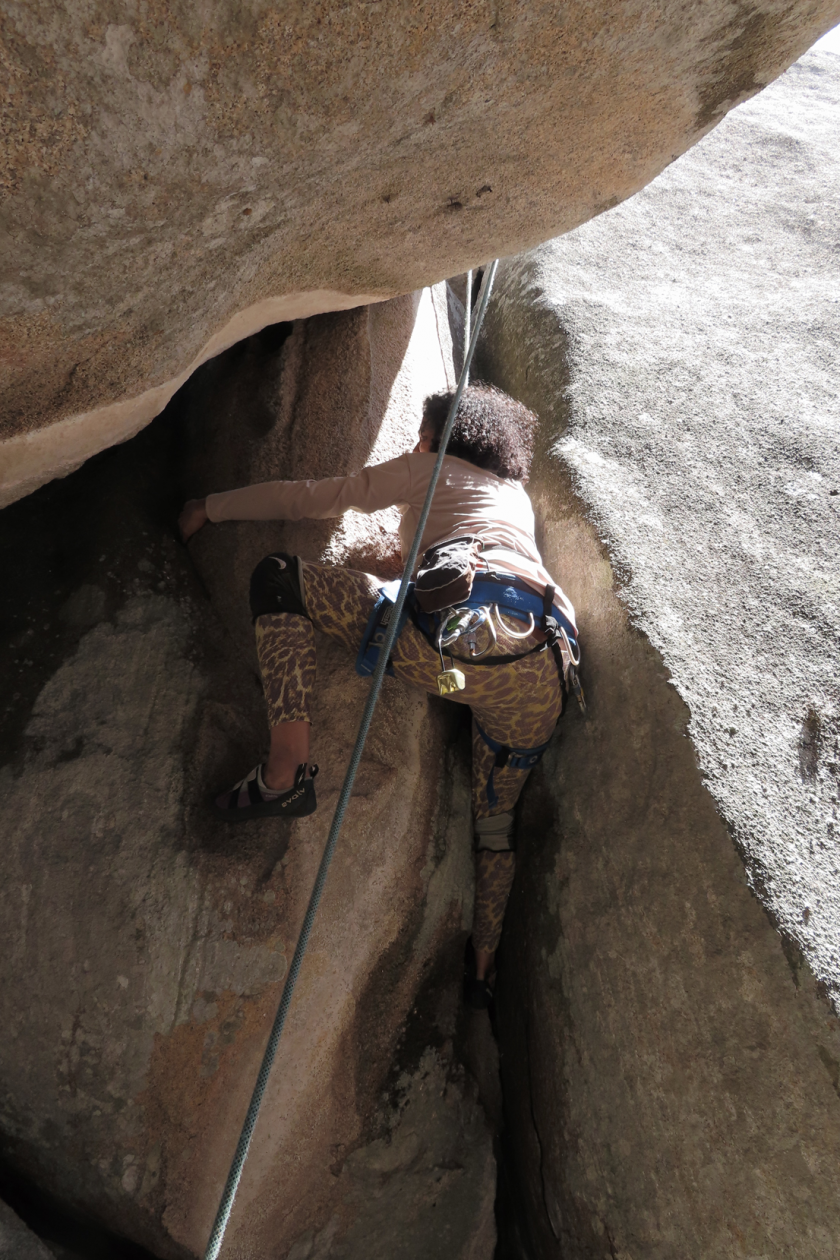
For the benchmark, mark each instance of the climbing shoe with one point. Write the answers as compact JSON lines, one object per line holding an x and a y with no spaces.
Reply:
{"x":252,"y":799}
{"x":478,"y":994}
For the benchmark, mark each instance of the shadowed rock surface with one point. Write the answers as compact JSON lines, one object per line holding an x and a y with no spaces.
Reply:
{"x":176,"y":178}
{"x":670,"y":1056}
{"x":16,"y":1241}
{"x":145,"y":942}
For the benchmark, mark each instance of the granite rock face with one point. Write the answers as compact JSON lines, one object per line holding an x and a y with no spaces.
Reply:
{"x":144,"y":942}
{"x":16,"y":1241}
{"x":175,"y":178}
{"x":669,"y":1038}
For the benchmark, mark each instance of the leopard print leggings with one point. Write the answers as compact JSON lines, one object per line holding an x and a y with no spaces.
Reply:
{"x":516,"y":703}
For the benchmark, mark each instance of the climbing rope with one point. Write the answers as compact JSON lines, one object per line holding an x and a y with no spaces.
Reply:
{"x":467,"y":329}
{"x":241,"y":1153}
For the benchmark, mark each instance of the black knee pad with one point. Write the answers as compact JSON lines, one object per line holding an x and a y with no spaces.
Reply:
{"x":276,"y":586}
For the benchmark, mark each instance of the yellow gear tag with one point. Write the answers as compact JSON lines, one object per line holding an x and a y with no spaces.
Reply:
{"x":450,"y":680}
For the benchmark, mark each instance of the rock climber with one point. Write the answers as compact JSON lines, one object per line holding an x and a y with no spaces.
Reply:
{"x":512,"y":671}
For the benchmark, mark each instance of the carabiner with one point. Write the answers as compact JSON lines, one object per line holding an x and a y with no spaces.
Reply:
{"x":575,"y":663}
{"x":513,"y":634}
{"x":487,"y":622}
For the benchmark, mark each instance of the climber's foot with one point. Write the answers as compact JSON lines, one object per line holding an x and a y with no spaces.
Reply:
{"x":252,"y":798}
{"x":478,"y":991}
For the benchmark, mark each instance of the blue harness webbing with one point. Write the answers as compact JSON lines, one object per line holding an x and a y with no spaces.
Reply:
{"x":517,"y":598}
{"x":514,"y":598}
{"x":507,"y":758}
{"x":377,"y":627}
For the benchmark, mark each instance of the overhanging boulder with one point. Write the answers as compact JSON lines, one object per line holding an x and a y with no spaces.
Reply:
{"x":176,"y":179}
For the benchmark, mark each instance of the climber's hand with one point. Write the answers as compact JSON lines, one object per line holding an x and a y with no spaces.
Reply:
{"x":192,"y":518}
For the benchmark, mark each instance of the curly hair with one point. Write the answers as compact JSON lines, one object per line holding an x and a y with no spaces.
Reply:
{"x":492,"y":430}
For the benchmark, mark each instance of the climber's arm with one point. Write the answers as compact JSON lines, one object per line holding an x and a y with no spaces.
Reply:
{"x":380,"y":486}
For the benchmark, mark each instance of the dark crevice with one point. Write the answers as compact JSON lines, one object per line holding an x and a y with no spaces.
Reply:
{"x":58,"y":582}
{"x":535,"y":1124}
{"x":513,"y":1234}
{"x":69,"y":1234}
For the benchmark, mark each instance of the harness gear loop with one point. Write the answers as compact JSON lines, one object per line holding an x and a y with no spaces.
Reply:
{"x":514,"y":634}
{"x":217,"y":1233}
{"x":467,"y":622}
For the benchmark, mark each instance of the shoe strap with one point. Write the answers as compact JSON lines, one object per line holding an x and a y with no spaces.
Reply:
{"x":256,"y":776}
{"x":265,"y":791}
{"x":249,"y":778}
{"x":300,"y":773}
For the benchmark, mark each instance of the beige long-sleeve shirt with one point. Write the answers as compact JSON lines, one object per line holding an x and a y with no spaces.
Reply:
{"x":468,"y":500}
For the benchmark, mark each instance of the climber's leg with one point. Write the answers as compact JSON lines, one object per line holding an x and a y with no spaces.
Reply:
{"x":516,"y":704}
{"x":287,"y":599}
{"x":519,"y":709}
{"x":289,"y":749}
{"x":494,"y":872}
{"x":286,"y":653}
{"x":339,"y":601}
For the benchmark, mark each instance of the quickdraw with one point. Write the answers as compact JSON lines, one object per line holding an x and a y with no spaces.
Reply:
{"x":568,"y":664}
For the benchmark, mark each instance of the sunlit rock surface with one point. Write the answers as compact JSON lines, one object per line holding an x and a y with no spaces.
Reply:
{"x":145,"y":942}
{"x":176,"y":178}
{"x":669,"y":1038}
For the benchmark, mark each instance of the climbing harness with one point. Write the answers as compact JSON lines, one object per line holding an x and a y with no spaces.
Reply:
{"x":495,"y":599}
{"x":394,"y":624}
{"x":376,"y":629}
{"x":508,"y":758}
